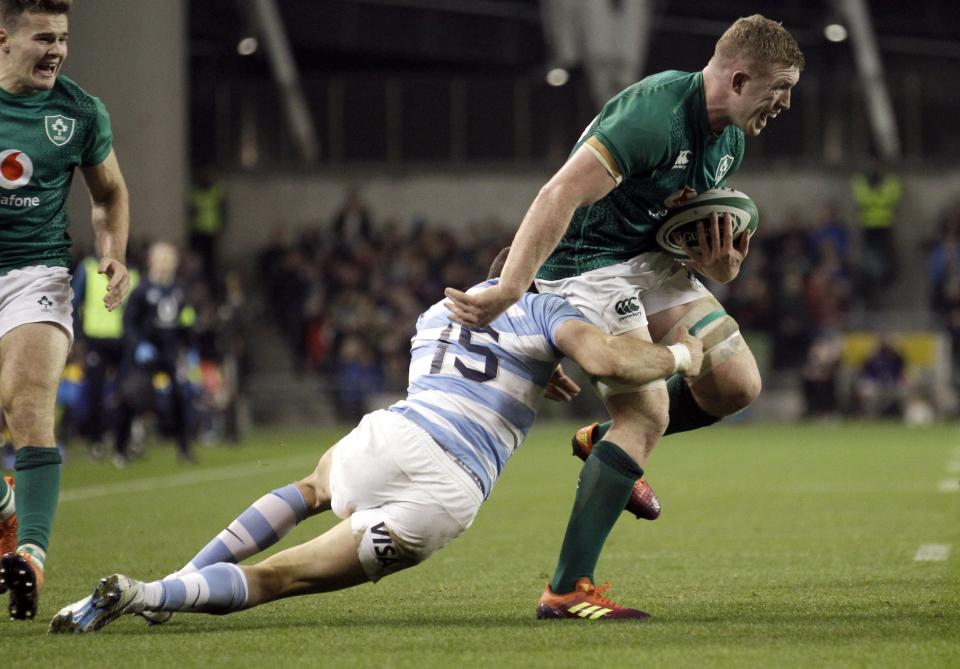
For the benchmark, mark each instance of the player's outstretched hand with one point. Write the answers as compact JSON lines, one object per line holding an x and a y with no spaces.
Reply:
{"x":716,"y":256}
{"x":561,"y":388}
{"x":477,"y":309}
{"x":696,"y":353}
{"x":119,"y":282}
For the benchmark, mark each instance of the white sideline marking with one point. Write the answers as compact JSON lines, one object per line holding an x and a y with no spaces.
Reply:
{"x":178,"y":480}
{"x":932,"y":553}
{"x":949,"y":485}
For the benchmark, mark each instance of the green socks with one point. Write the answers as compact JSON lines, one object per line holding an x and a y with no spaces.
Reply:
{"x":38,"y":488}
{"x":685,"y":413}
{"x":605,"y":484}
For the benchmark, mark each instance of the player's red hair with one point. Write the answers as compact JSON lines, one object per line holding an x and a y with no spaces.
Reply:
{"x":761,"y":40}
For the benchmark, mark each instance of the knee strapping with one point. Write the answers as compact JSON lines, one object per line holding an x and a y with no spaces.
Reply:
{"x":713,"y":326}
{"x":380,"y":550}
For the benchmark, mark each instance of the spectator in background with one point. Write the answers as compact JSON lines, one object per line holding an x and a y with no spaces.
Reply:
{"x":881,"y":385}
{"x":271,"y":257}
{"x":828,"y":290}
{"x":820,"y":374}
{"x":877,"y":195}
{"x":233,"y":336}
{"x":352,"y":223}
{"x":945,"y":295}
{"x":792,"y":332}
{"x":156,"y":327}
{"x":358,"y":378}
{"x":208,"y":214}
{"x":830,"y":229}
{"x":101,"y":336}
{"x":943,"y":260}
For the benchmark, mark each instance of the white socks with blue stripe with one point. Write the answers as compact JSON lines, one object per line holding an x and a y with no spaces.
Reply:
{"x":218,"y":588}
{"x":263,"y":524}
{"x":211,"y":582}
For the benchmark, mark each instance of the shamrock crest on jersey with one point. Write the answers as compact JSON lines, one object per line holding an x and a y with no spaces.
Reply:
{"x":59,"y":128}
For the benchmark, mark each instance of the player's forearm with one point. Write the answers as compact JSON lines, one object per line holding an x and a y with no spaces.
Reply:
{"x":111,"y":225}
{"x":541,"y":230}
{"x":638,"y":362}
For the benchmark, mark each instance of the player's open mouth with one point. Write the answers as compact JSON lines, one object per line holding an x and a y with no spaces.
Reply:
{"x":764,"y":117}
{"x":47,"y":69}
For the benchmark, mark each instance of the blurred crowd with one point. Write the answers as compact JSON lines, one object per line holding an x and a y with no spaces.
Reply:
{"x":798,"y":283}
{"x":175,"y":366}
{"x":346,"y":295}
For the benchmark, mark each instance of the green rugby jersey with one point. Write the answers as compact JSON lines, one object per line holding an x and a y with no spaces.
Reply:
{"x":43,"y":137}
{"x":657,"y":132}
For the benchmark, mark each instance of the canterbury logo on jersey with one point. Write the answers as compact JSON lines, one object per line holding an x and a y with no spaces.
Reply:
{"x":683,"y":160}
{"x":628,"y":307}
{"x":588,"y":610}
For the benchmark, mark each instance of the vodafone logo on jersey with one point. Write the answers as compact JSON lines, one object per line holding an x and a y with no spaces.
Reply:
{"x":16,"y":168}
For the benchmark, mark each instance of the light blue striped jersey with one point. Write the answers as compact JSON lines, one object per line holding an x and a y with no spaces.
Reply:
{"x":476,"y":391}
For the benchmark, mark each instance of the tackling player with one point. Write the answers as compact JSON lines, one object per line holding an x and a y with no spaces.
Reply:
{"x":590,"y":236}
{"x":411,"y":478}
{"x":48,"y":127}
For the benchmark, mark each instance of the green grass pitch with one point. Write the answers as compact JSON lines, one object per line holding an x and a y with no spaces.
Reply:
{"x":779,"y":546}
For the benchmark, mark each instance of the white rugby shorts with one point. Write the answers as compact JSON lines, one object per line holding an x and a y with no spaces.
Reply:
{"x":36,"y":294}
{"x":618,"y":298}
{"x":391,"y":464}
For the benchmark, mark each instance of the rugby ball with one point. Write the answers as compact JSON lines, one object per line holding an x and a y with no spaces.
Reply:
{"x":682,"y":219}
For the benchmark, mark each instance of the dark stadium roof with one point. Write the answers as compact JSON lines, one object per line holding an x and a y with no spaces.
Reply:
{"x":506,"y":34}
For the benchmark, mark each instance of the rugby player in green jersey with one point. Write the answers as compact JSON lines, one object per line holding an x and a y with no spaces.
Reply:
{"x":589,"y":236}
{"x":48,"y":127}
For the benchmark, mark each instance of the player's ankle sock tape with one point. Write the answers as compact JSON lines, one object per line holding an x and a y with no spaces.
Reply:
{"x":8,"y":500}
{"x":38,"y":488}
{"x":602,"y":492}
{"x":38,"y":554}
{"x":685,"y":413}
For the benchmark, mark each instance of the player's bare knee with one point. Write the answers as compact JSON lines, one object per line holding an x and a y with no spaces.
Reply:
{"x":657,"y":417}
{"x":738,"y":398}
{"x":309,"y":493}
{"x":727,"y":391}
{"x":739,"y":382}
{"x":748,"y":391}
{"x":29,"y":419}
{"x":645,"y":413}
{"x":315,"y":487}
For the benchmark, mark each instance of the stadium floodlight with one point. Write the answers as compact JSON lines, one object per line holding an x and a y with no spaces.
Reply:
{"x":247,"y":46}
{"x":835,"y":32}
{"x":558,"y":76}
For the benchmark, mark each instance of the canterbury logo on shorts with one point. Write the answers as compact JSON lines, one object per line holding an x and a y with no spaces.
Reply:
{"x":627,"y":308}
